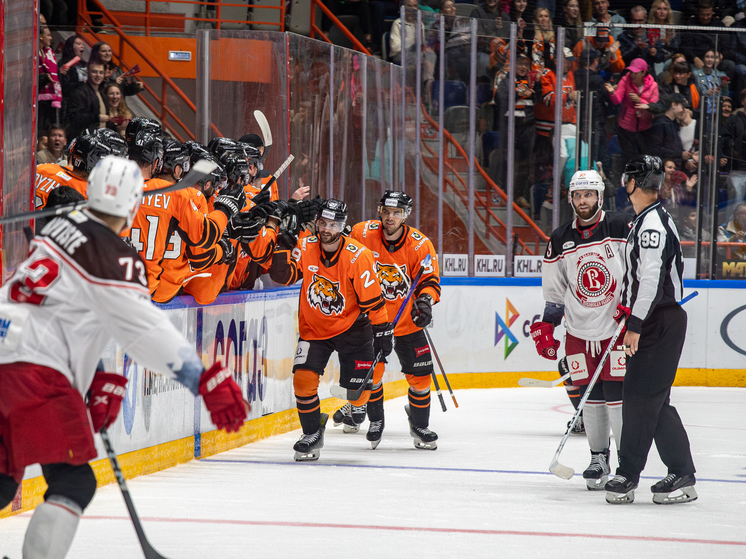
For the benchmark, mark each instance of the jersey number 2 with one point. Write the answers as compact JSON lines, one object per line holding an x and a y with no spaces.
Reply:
{"x":367,"y":280}
{"x":38,"y":275}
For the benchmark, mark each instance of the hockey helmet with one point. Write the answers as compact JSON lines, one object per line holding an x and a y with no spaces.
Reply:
{"x":220,"y":146}
{"x":175,"y":154}
{"x":86,"y":151}
{"x":396,"y":199}
{"x":141,"y":124}
{"x":236,"y":168}
{"x":647,"y":170}
{"x":217,"y":175}
{"x":113,"y":139}
{"x":115,"y":187}
{"x":147,"y":148}
{"x":195,"y":148}
{"x":333,"y":211}
{"x":252,"y":139}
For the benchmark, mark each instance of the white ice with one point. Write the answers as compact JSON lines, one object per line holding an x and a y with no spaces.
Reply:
{"x":485,"y":492}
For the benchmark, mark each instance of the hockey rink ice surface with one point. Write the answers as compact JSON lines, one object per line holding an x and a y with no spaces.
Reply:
{"x":485,"y":492}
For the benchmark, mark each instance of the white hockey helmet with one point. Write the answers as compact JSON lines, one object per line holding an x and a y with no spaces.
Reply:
{"x":587,"y":180}
{"x":115,"y":187}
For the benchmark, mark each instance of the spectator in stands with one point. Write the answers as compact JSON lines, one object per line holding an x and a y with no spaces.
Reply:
{"x":493,"y":22}
{"x":519,"y":14}
{"x":589,"y":80}
{"x":101,"y":53}
{"x":116,"y":107}
{"x":734,"y":138}
{"x":636,"y":88}
{"x":602,"y":15}
{"x":687,"y":226}
{"x":676,"y":189}
{"x":70,"y":78}
{"x":358,"y":8}
{"x":610,"y":59}
{"x":395,"y":37}
{"x":635,"y":42}
{"x":694,"y":44}
{"x":50,"y":91}
{"x":86,"y":107}
{"x":712,"y":83}
{"x":55,"y":150}
{"x":734,"y":231}
{"x":738,"y":53}
{"x":721,"y":8}
{"x":683,"y":83}
{"x":663,"y":135}
{"x":689,"y":139}
{"x":665,"y":40}
{"x":54,"y":12}
{"x":726,"y":110}
{"x":379,"y":10}
{"x":571,"y":21}
{"x":543,"y":41}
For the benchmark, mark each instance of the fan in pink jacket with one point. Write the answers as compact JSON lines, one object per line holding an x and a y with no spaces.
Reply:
{"x":636,"y":90}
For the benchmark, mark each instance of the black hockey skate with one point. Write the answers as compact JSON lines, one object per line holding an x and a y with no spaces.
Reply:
{"x":620,"y":491}
{"x":341,"y":413}
{"x":350,"y":417}
{"x":424,"y":438}
{"x":375,"y":431}
{"x":673,"y":483}
{"x":597,"y":473}
{"x":309,"y":447}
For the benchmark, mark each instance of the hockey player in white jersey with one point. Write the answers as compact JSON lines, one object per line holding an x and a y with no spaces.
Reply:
{"x":81,"y":287}
{"x":581,"y":280}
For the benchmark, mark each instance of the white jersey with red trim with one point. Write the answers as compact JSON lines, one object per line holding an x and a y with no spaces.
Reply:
{"x":583,"y":270}
{"x":81,"y":287}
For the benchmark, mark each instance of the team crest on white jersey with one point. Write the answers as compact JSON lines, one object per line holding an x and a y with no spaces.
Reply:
{"x":392,"y":282}
{"x":325,"y":296}
{"x":595,"y":286}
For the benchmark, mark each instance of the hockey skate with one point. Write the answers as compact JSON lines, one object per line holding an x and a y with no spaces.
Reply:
{"x":350,"y":417}
{"x":309,"y":447}
{"x":672,"y":483}
{"x":597,"y":473}
{"x":375,"y":430}
{"x":424,"y":438}
{"x":341,"y":413}
{"x":620,"y":491}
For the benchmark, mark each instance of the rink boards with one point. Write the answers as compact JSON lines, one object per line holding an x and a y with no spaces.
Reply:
{"x":480,"y":331}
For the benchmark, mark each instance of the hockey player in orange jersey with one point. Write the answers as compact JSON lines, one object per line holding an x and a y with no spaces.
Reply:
{"x":341,"y":309}
{"x":393,"y":244}
{"x":164,"y":221}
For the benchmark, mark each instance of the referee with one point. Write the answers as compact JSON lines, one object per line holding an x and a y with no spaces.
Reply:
{"x":656,"y":327}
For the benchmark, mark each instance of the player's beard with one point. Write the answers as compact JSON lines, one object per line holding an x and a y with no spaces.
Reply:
{"x":328,"y":238}
{"x":587,"y":214}
{"x":391,"y":230}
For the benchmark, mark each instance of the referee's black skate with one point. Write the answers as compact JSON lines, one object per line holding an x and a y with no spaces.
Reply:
{"x":375,"y":431}
{"x":673,"y":483}
{"x":597,"y":473}
{"x":309,"y":447}
{"x":424,"y":438}
{"x":620,"y":490}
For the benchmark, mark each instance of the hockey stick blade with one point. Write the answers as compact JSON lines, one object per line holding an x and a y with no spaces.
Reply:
{"x":266,"y":132}
{"x":148,"y":550}
{"x":542,"y":383}
{"x":560,"y":470}
{"x":199,"y":171}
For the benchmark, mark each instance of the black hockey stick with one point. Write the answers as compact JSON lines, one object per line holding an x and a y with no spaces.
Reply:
{"x":147,"y":549}
{"x":352,"y":395}
{"x":200,"y":171}
{"x":432,"y":373}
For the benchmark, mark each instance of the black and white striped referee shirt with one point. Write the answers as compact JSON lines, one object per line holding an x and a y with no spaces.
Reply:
{"x":654,"y":265}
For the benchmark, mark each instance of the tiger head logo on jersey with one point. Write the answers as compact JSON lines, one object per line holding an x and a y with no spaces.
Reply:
{"x":325,"y":296}
{"x":392,"y":282}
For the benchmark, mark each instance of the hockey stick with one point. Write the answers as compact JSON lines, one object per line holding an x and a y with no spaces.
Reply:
{"x":279,"y":171}
{"x":148,"y":550}
{"x":560,"y":470}
{"x":432,"y":373}
{"x":201,"y":170}
{"x":261,"y":120}
{"x":352,"y":395}
{"x":442,"y":370}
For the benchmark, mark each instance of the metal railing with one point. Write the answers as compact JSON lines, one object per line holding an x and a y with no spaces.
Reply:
{"x":315,"y":30}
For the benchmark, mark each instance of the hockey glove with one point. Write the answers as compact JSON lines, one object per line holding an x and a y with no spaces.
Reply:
{"x":245,"y":227}
{"x":422,"y":311}
{"x":383,"y":338}
{"x":229,"y":250}
{"x":287,"y":237}
{"x":105,"y":399}
{"x":543,"y":335}
{"x":262,"y":197}
{"x":223,"y":399}
{"x":306,"y":210}
{"x":231,"y":200}
{"x":622,"y":312}
{"x":278,"y":208}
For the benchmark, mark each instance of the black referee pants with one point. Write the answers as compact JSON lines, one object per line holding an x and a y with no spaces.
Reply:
{"x":646,"y":411}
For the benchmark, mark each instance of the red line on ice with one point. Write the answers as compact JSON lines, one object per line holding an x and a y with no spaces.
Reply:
{"x":422,"y":529}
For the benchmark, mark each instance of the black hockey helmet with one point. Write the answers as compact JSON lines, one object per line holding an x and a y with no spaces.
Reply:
{"x":236,"y":168}
{"x":251,"y":153}
{"x":86,"y":151}
{"x":218,"y":176}
{"x":141,"y":124}
{"x":174,"y":154}
{"x":396,"y":199}
{"x":113,"y":139}
{"x":333,"y":210}
{"x":252,"y":139}
{"x":647,"y":170}
{"x":195,"y":148}
{"x":220,"y":146}
{"x":147,"y":148}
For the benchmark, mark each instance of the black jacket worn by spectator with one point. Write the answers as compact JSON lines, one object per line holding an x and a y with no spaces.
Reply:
{"x":83,"y":110}
{"x":690,"y":8}
{"x":629,"y":49}
{"x":664,"y":139}
{"x":586,"y":81}
{"x":694,"y":44}
{"x":733,"y":141}
{"x":689,"y":91}
{"x":738,"y":53}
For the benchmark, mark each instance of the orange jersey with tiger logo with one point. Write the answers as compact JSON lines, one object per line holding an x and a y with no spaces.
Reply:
{"x":252,"y":191}
{"x":49,"y":176}
{"x":165,"y":221}
{"x":408,"y":253}
{"x":335,"y":291}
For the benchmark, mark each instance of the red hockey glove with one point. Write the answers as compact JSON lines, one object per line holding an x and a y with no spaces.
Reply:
{"x":228,"y":409}
{"x":543,"y":335}
{"x":105,"y":399}
{"x":622,"y":312}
